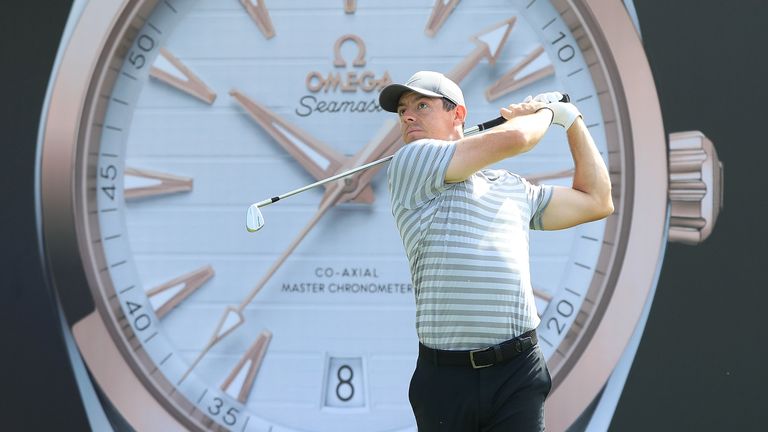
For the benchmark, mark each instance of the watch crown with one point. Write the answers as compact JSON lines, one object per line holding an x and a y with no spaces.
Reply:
{"x":695,"y":187}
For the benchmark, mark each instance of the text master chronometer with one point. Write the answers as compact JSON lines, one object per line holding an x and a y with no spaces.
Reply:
{"x":165,"y":119}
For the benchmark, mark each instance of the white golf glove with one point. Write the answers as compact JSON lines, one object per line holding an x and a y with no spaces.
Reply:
{"x":548,"y":97}
{"x":565,"y":113}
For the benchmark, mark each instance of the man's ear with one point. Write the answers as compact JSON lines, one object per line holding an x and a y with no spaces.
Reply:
{"x":460,"y":115}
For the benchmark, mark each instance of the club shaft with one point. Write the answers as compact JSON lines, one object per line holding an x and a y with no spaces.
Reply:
{"x":348,"y":173}
{"x":467,"y":132}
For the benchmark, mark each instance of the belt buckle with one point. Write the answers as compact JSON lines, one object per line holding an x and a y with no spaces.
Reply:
{"x":472,"y":359}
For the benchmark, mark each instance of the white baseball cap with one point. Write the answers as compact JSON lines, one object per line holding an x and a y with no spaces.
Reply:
{"x":428,"y":83}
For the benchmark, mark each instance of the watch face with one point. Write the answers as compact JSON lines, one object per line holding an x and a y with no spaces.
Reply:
{"x":196,"y":109}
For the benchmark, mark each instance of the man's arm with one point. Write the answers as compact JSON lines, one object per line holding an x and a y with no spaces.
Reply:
{"x":589,"y":198}
{"x":527,"y":123}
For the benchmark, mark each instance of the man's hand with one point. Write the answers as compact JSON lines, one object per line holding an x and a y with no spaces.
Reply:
{"x":521,"y":109}
{"x":564,"y":113}
{"x":526,"y":123}
{"x":548,"y":97}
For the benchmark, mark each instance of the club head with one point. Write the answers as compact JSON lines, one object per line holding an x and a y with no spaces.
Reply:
{"x":254,"y":220}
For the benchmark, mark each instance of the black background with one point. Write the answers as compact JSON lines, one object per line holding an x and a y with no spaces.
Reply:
{"x":701,"y":363}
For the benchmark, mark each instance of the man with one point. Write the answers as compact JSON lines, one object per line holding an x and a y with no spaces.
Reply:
{"x":465,"y":232}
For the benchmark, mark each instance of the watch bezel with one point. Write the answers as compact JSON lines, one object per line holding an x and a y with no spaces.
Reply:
{"x":614,"y":37}
{"x":66,"y":218}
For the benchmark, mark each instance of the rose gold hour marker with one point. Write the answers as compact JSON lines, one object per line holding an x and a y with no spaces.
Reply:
{"x":350,"y":6}
{"x":230,"y":321}
{"x":533,"y":67}
{"x":168,"y":295}
{"x":258,"y":11}
{"x":440,"y":13}
{"x":547,"y":297}
{"x":172,"y":71}
{"x":240,"y":380}
{"x":146,"y":183}
{"x":543,"y":296}
{"x":489,"y":44}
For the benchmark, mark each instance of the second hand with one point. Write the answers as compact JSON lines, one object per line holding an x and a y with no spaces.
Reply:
{"x":233,"y":316}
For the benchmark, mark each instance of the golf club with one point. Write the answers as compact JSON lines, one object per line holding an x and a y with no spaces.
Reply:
{"x":255,"y":220}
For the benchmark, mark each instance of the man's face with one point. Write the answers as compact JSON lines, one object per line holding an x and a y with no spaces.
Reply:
{"x":424,"y":117}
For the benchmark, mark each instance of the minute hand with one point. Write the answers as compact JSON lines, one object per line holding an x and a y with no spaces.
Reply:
{"x":489,"y":46}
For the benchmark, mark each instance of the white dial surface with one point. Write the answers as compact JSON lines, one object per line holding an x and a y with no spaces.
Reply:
{"x":219,"y":104}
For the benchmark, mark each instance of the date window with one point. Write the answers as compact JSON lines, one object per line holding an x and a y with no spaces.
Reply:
{"x":345,"y":383}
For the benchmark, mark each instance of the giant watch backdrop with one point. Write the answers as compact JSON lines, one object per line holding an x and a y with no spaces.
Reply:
{"x":698,"y":366}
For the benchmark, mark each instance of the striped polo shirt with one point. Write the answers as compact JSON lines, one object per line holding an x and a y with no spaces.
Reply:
{"x":467,"y":247}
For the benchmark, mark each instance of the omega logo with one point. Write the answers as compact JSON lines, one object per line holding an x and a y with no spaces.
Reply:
{"x":338,"y":61}
{"x":351,"y":81}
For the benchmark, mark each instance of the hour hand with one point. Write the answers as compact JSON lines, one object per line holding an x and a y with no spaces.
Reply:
{"x":319,"y":159}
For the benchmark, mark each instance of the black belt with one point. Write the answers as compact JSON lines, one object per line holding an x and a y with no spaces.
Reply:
{"x":481,"y":358}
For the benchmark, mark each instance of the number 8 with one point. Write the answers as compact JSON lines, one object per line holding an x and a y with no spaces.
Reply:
{"x":343,"y":381}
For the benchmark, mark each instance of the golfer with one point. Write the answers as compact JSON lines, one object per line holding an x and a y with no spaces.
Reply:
{"x":465,"y":232}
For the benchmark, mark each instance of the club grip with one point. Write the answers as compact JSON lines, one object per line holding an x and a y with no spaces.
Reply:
{"x":499,"y":120}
